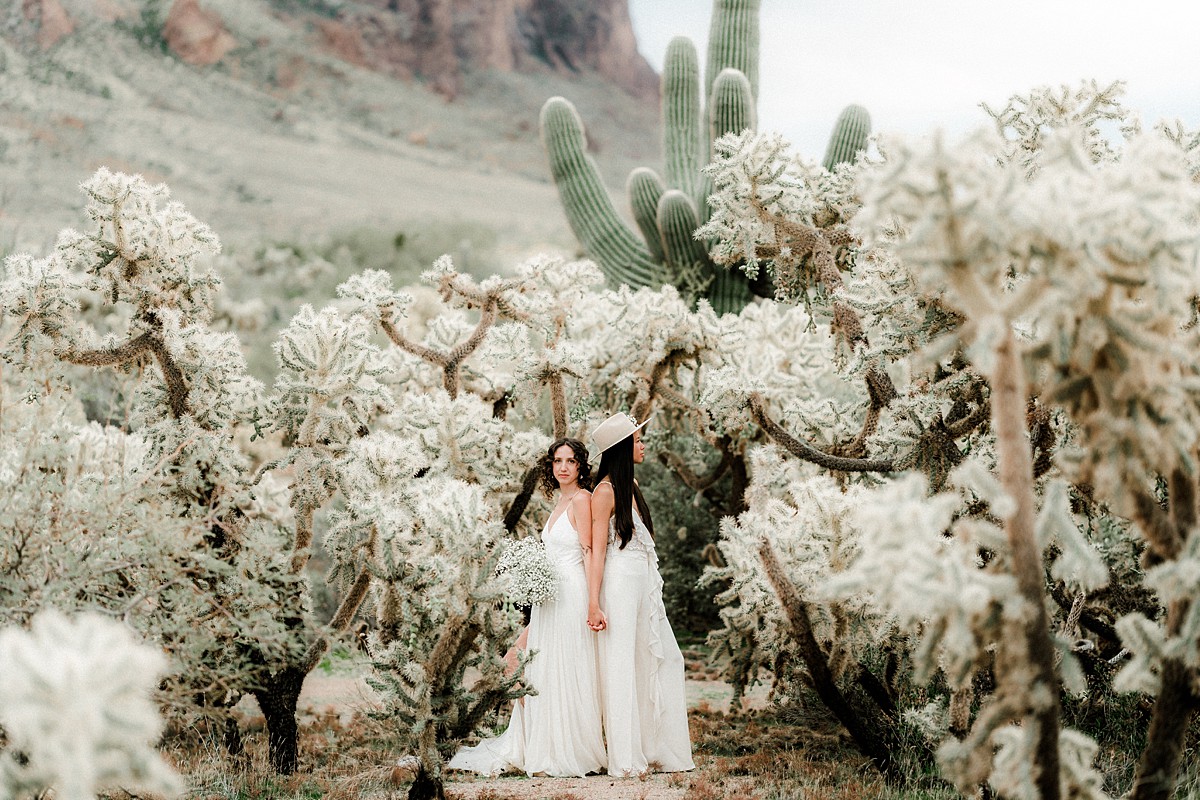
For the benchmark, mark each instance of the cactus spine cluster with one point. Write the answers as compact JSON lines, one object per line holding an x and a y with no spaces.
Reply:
{"x":667,"y":213}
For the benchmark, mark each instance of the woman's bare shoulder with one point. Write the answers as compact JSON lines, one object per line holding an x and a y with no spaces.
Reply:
{"x":602,"y":491}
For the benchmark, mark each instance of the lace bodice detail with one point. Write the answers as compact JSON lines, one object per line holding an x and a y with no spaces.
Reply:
{"x":640,"y":542}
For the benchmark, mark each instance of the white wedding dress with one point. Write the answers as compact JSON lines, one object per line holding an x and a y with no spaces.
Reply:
{"x":645,"y":708}
{"x":558,"y":731}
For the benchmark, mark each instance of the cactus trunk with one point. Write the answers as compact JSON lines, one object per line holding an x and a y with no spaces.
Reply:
{"x":733,"y":41}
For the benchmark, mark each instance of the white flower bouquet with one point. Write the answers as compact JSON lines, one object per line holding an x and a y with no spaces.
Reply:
{"x":529,"y":573}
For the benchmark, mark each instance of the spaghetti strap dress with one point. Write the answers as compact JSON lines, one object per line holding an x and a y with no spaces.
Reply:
{"x":557,"y":731}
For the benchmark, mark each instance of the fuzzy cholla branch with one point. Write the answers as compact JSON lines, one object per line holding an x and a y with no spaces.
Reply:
{"x":1094,"y":262}
{"x":773,"y":210}
{"x":42,"y":294}
{"x":1151,"y":646}
{"x":1188,"y":141}
{"x":373,"y":297}
{"x":75,"y":704}
{"x":145,"y":274}
{"x":150,"y":249}
{"x":496,"y":355}
{"x":328,"y":386}
{"x":645,"y":349}
{"x":1026,"y":120}
{"x":931,"y":583}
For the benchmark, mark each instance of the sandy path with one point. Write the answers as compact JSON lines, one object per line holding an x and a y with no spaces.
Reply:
{"x":346,"y":693}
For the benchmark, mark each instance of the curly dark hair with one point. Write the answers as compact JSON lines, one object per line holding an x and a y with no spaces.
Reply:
{"x":549,"y":482}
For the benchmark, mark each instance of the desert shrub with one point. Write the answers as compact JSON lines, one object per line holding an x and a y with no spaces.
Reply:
{"x":146,"y":26}
{"x":685,"y":530}
{"x":266,"y":285}
{"x":994,"y":490}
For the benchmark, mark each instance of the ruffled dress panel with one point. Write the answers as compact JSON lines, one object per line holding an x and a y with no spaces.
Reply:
{"x":645,"y":706}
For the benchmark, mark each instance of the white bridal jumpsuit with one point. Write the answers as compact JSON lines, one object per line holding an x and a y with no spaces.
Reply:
{"x":558,"y":731}
{"x":645,"y":709}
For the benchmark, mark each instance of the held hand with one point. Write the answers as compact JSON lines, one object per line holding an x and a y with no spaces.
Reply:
{"x":596,"y":620}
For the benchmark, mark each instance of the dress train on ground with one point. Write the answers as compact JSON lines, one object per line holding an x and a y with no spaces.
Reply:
{"x":558,"y":731}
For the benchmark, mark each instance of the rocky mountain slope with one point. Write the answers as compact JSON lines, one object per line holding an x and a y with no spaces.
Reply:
{"x":442,"y":40}
{"x":284,"y":118}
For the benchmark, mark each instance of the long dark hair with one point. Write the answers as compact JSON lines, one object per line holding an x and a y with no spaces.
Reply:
{"x":549,"y":482}
{"x":616,"y":464}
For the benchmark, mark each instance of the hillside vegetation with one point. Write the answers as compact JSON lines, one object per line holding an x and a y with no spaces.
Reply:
{"x":283,"y":138}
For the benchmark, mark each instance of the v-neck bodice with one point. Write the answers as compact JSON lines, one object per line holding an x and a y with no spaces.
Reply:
{"x":562,"y":541}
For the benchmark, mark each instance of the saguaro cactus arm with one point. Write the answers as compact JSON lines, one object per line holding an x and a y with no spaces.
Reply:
{"x":730,"y":105}
{"x":645,"y":189}
{"x":590,"y":212}
{"x":684,"y":150}
{"x":730,"y":110}
{"x":849,"y":136}
{"x":676,"y":222}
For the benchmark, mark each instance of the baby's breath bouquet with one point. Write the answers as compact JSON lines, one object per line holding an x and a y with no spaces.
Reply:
{"x":531,"y":577}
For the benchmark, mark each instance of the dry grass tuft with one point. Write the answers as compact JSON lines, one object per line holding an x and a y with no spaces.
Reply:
{"x":338,"y":761}
{"x":702,"y":788}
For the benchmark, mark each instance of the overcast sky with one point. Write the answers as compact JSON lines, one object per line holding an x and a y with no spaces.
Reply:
{"x":919,"y":66}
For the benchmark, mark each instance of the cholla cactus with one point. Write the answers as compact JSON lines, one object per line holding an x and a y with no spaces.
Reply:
{"x":636,"y":340}
{"x":76,"y":707}
{"x":967,"y":272}
{"x":1027,"y":119}
{"x":116,"y":541}
{"x":217,"y":591}
{"x":441,"y":612}
{"x":1052,"y":280}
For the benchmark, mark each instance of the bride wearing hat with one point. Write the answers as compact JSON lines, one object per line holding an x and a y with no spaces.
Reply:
{"x":641,"y":667}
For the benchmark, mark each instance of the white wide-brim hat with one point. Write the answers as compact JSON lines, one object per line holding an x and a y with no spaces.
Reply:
{"x":614,"y":429}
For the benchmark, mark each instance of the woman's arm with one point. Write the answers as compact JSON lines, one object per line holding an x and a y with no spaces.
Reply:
{"x":510,"y":658}
{"x":602,"y":508}
{"x":581,"y":520}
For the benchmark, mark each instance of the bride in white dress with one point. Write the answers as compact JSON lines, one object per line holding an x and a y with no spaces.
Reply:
{"x":558,"y":731}
{"x":641,"y":667}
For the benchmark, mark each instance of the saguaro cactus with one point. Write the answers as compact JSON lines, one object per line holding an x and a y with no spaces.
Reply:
{"x":849,"y":135}
{"x":668,"y":212}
